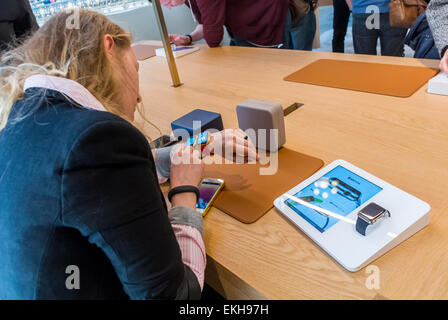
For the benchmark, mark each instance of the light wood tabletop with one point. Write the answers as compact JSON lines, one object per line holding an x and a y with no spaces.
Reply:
{"x":404,"y":141}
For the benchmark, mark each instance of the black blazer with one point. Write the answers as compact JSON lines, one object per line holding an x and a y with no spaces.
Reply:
{"x":78,"y":187}
{"x":16,"y":20}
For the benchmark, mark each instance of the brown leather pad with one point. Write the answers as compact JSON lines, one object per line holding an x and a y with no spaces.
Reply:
{"x":247,"y":195}
{"x":386,"y":79}
{"x":144,"y":51}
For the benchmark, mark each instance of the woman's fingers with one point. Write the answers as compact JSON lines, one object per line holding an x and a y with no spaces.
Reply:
{"x":239,"y":133}
{"x":196,"y":156}
{"x":244,"y":148}
{"x":251,"y":145}
{"x":234,"y":144}
{"x":172,"y":37}
{"x":444,"y":63}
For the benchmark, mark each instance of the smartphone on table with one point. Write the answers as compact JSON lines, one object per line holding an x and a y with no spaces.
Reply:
{"x":209,"y":189}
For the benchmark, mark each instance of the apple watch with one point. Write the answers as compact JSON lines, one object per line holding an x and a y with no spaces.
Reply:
{"x":369,"y":215}
{"x":202,"y":140}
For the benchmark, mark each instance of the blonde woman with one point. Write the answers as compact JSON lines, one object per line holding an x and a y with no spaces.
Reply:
{"x":81,"y":212}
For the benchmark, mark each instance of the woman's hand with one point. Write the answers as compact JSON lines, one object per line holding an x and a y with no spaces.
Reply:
{"x":232,"y":144}
{"x":186,"y":169}
{"x":444,"y":62}
{"x":179,"y":40}
{"x":172,"y":3}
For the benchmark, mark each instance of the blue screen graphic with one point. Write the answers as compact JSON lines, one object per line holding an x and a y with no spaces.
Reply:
{"x":340,"y":191}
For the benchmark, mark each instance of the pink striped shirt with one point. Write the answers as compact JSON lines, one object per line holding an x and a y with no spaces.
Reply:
{"x":189,"y":238}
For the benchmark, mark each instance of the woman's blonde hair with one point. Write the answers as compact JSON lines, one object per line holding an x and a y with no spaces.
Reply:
{"x":60,"y":49}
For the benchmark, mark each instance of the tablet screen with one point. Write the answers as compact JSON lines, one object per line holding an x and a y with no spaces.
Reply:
{"x":340,"y":191}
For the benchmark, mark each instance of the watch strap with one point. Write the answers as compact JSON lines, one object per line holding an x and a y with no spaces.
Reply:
{"x":183,"y":189}
{"x":191,"y":39}
{"x":361,"y":226}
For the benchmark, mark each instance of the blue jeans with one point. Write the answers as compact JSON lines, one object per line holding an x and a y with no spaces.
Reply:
{"x":298,"y":38}
{"x":365,"y":40}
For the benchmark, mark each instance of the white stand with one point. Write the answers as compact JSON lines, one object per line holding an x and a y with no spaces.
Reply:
{"x":342,"y":242}
{"x":438,"y":84}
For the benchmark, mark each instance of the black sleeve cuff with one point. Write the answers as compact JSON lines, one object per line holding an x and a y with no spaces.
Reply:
{"x":189,"y":289}
{"x":442,"y":53}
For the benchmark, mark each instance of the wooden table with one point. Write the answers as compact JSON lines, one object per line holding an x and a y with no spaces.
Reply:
{"x":403,"y":141}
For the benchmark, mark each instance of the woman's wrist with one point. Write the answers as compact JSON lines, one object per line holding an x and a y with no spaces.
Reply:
{"x":190,"y":195}
{"x":185,"y":199}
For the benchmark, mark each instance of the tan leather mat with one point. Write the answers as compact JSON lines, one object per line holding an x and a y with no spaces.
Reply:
{"x":386,"y":79}
{"x":247,"y":195}
{"x":144,"y":51}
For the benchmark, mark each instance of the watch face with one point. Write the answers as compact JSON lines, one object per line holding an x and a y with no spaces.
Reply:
{"x":202,"y":138}
{"x":372,"y":211}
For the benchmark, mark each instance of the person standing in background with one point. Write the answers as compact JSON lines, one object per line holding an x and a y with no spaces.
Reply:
{"x":16,"y":20}
{"x":341,"y":16}
{"x":437,"y":16}
{"x":420,"y":39}
{"x":370,"y":22}
{"x":288,"y":24}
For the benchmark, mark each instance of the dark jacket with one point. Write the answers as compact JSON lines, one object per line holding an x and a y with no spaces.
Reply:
{"x":16,"y":20}
{"x":437,"y":13}
{"x":421,"y":40}
{"x":78,"y":187}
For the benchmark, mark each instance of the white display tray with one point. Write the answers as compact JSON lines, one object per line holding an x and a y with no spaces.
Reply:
{"x":342,"y":242}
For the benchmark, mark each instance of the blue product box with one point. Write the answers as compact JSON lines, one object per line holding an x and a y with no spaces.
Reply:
{"x":195,"y":122}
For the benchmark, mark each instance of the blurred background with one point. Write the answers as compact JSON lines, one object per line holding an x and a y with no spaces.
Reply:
{"x":137,"y":17}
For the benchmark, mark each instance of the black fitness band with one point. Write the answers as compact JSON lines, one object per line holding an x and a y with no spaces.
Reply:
{"x":183,"y":189}
{"x":191,"y":39}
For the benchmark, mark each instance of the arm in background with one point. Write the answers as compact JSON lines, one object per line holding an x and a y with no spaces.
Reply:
{"x":196,"y":35}
{"x":437,"y":15}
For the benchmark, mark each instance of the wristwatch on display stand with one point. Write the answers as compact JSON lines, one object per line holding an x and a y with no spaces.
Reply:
{"x":369,"y":215}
